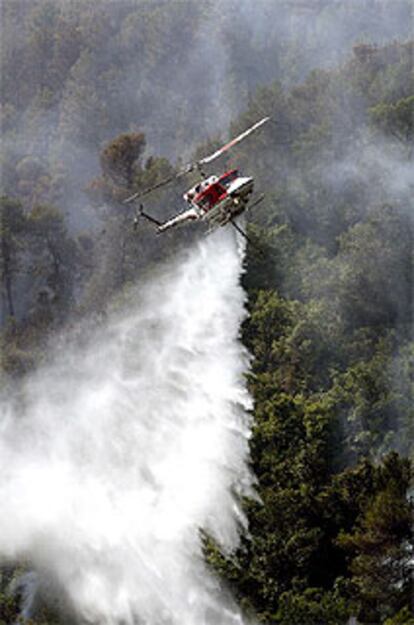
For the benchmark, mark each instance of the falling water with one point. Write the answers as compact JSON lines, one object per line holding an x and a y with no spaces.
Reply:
{"x":132,"y":442}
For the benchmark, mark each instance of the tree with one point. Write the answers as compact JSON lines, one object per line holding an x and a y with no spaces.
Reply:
{"x":12,"y":227}
{"x":381,"y":545}
{"x":54,"y":255}
{"x":375,"y":270}
{"x":9,"y":601}
{"x":312,"y":607}
{"x":119,"y":158}
{"x":396,"y":119}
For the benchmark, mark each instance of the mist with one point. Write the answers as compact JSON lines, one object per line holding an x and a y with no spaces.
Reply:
{"x":123,"y":445}
{"x":195,"y":69}
{"x":116,"y":453}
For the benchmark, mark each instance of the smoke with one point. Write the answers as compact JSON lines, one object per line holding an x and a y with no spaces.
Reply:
{"x":178,"y":71}
{"x":382,"y":166}
{"x":120,"y":450}
{"x":26,"y":586}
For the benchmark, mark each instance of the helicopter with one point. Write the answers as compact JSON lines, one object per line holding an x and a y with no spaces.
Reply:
{"x":216,"y":200}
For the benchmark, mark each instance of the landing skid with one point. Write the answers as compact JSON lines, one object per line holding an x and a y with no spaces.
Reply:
{"x":240,"y":231}
{"x":214,"y":223}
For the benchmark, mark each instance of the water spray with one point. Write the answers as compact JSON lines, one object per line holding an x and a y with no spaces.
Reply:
{"x":130,"y":444}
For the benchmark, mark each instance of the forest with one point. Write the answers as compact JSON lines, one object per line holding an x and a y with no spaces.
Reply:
{"x":100,"y":100}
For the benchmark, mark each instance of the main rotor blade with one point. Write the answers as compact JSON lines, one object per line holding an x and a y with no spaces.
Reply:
{"x":149,"y":189}
{"x":185,"y":170}
{"x":233,"y":142}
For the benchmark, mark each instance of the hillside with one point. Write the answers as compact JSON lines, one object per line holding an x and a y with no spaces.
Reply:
{"x":328,"y":279}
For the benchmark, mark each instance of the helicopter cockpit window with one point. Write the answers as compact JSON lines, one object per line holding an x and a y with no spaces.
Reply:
{"x":228,"y":178}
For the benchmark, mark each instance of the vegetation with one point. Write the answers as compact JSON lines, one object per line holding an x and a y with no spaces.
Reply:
{"x":329,"y":298}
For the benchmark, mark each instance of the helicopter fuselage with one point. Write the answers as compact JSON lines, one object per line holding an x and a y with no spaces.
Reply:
{"x":219,"y":199}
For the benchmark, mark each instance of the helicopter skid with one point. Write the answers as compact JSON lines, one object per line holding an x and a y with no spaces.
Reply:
{"x":221,"y":214}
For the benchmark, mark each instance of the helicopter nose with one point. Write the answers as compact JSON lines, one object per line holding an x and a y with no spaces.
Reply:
{"x":246,"y":186}
{"x":241,"y":185}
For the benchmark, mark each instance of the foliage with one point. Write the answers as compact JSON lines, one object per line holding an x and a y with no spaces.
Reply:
{"x":40,"y":265}
{"x":120,"y":155}
{"x":329,"y":295}
{"x":381,"y":546}
{"x":312,"y":607}
{"x":396,"y":118}
{"x":329,"y":327}
{"x":11,"y":227}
